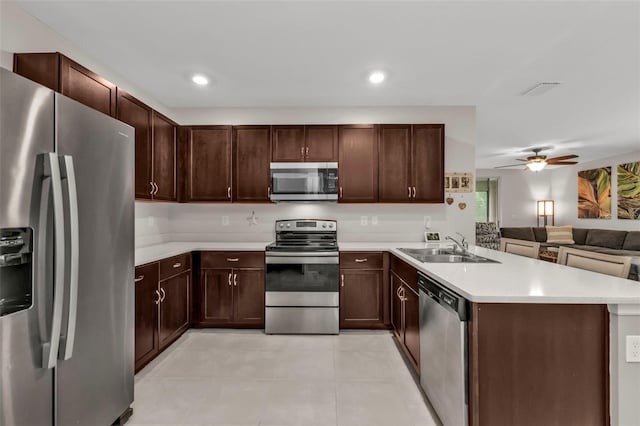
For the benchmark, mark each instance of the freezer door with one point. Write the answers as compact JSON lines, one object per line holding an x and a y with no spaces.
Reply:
{"x":95,"y":384}
{"x":26,"y":133}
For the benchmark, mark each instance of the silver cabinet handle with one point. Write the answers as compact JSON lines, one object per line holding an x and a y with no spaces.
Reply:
{"x":68,"y":175}
{"x":177,"y":265}
{"x":138,"y":279}
{"x":235,"y":280}
{"x":229,"y":192}
{"x":402,"y":294}
{"x":361,"y":260}
{"x":50,"y":349}
{"x":409,"y":188}
{"x":398,"y":292}
{"x":302,"y":151}
{"x":151,"y":192}
{"x":232,"y":259}
{"x":229,"y":278}
{"x":157,"y":301}
{"x":268,"y":192}
{"x":307,"y":151}
{"x":342,"y":280}
{"x":340,"y":192}
{"x":164,"y":295}
{"x":414,"y":192}
{"x":157,"y":189}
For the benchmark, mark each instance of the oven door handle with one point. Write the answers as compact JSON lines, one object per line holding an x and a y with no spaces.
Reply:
{"x":302,"y":260}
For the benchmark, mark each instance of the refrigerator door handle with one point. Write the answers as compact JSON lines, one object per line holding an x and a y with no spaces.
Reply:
{"x":50,"y":349}
{"x":68,"y":175}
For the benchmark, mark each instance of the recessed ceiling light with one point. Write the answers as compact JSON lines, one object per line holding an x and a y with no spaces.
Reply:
{"x":200,"y":80}
{"x":376,"y":77}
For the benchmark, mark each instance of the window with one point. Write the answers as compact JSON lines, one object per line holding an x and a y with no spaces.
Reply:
{"x":487,"y":200}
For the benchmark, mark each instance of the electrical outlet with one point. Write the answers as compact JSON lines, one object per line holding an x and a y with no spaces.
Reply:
{"x":374,"y":220}
{"x":225,"y":220}
{"x":427,"y":221}
{"x":363,"y":220}
{"x":633,"y":348}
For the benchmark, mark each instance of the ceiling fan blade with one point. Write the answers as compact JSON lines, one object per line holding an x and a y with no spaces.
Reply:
{"x":564,"y":157}
{"x":520,"y":159}
{"x":562,"y":163}
{"x":510,"y":165}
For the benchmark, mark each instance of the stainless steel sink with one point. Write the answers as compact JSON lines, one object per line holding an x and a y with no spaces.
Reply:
{"x":445,"y":256}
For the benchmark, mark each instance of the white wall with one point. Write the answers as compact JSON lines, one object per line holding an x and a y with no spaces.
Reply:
{"x":203,"y":222}
{"x":21,"y":32}
{"x":518,"y":191}
{"x":565,"y":194}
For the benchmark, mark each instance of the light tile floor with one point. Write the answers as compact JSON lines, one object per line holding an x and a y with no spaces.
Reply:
{"x":237,"y":378}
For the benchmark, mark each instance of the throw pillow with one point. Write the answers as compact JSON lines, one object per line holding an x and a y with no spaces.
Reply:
{"x":560,"y":234}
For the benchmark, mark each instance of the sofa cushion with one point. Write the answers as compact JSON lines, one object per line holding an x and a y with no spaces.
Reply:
{"x":605,"y":238}
{"x":560,"y":234}
{"x":632,"y":241}
{"x":540,"y":234}
{"x":580,"y":235}
{"x":518,"y":233}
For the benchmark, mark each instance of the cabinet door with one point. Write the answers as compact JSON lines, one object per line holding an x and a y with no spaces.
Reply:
{"x":146,"y":315}
{"x":288,"y":143}
{"x":358,"y":164}
{"x":164,"y":157}
{"x":249,"y":296}
{"x":43,"y":68}
{"x":395,"y":163}
{"x":361,"y":298}
{"x":428,"y":162}
{"x":251,"y":158}
{"x":209,"y":159}
{"x":138,"y":115}
{"x":412,"y":324}
{"x":321,"y":143}
{"x":87,"y":87}
{"x":174,"y":308}
{"x":396,"y":307}
{"x":217,"y":297}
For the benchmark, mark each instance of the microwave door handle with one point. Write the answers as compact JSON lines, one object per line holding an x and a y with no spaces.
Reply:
{"x":68,"y":175}
{"x":50,"y":348}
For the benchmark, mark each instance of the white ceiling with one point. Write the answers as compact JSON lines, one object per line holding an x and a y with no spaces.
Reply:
{"x":319,"y":53}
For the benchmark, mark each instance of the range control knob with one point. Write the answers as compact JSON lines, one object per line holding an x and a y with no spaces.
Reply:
{"x":288,"y":225}
{"x":282,"y":225}
{"x":324,"y":225}
{"x":331,"y":225}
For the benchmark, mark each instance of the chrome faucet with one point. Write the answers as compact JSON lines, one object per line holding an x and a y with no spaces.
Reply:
{"x":462,"y":245}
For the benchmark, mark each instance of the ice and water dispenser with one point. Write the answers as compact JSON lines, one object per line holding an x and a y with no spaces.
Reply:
{"x":16,"y":276}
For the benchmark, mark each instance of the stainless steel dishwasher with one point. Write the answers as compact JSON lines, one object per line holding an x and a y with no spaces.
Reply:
{"x":443,"y":351}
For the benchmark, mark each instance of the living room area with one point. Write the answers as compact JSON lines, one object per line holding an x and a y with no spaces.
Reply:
{"x":584,"y":215}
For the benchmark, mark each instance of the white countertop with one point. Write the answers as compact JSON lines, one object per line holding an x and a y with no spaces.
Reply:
{"x":516,"y":279}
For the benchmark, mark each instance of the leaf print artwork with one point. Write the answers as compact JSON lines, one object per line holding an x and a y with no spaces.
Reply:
{"x":594,"y":193}
{"x":629,"y":191}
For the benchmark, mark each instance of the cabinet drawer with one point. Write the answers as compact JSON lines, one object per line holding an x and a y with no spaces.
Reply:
{"x":174,"y":265}
{"x":146,"y":273}
{"x":232,"y":259}
{"x":361,"y":260}
{"x":406,"y":272}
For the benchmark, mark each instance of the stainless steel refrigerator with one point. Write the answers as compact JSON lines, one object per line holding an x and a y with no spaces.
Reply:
{"x":66,"y":259}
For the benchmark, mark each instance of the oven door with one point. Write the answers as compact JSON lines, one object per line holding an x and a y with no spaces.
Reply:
{"x":304,"y":181}
{"x":302,"y":279}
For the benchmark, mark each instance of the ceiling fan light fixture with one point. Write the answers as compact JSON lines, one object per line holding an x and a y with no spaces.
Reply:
{"x":536,"y":166}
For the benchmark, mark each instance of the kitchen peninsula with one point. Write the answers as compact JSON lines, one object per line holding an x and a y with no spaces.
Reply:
{"x":538,"y":333}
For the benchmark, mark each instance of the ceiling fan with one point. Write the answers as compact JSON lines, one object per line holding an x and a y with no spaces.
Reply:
{"x":537,"y":162}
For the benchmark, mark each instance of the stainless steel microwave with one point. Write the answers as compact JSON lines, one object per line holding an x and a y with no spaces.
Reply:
{"x":304,"y":182}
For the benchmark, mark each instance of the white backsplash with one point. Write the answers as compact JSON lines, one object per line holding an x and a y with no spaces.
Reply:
{"x":157,"y":223}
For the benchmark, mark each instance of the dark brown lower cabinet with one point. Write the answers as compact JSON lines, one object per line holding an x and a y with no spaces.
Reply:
{"x":163,"y":306}
{"x":405,"y":309}
{"x":364,"y":290}
{"x":230,"y":292}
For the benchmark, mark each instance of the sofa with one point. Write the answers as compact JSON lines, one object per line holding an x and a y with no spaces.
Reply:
{"x":606,"y":241}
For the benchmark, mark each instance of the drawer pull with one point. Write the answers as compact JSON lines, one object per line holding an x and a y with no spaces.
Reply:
{"x":232,"y":259}
{"x":157,"y":301}
{"x":361,"y":260}
{"x":342,"y":280}
{"x":138,"y":279}
{"x":177,"y":265}
{"x":235,"y":280}
{"x":229,"y":278}
{"x":164,"y":295}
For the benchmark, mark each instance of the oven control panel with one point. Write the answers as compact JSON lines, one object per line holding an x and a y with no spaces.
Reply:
{"x":306,"y":225}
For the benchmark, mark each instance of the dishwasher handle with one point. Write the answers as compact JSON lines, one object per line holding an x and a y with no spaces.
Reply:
{"x":444,"y":297}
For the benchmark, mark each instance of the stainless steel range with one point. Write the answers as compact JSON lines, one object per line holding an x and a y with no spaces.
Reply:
{"x":302,"y":284}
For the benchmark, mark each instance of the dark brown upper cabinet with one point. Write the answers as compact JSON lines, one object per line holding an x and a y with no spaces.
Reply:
{"x":206,"y":163}
{"x":411,"y":163}
{"x":139,"y":116}
{"x":357,"y":164}
{"x":164,"y":158}
{"x":305,"y":143}
{"x":251,"y":158}
{"x":65,"y":76}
